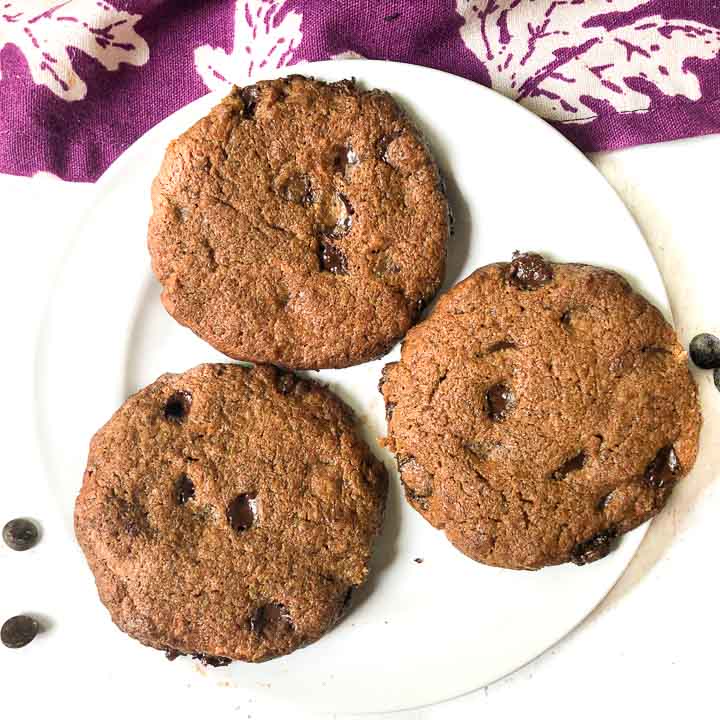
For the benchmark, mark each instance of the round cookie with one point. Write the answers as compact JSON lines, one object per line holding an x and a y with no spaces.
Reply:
{"x":300,"y":223}
{"x":541,"y":411}
{"x":229,"y":512}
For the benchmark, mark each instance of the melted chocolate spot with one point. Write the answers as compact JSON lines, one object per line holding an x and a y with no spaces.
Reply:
{"x":332,"y":259}
{"x":178,"y":406}
{"x":297,"y":189}
{"x":172,"y":654}
{"x":241,"y":512}
{"x":577,"y":462}
{"x":529,"y":271}
{"x":267,"y":616}
{"x":212,"y":660}
{"x":596,"y":548}
{"x":184,"y":489}
{"x":566,"y":319}
{"x":500,"y":400}
{"x":661,"y":471}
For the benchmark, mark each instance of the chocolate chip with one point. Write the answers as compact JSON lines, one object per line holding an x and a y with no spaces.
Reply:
{"x":249,"y":95}
{"x":172,"y":654}
{"x":604,"y":501}
{"x":344,"y":157}
{"x":18,"y":631}
{"x":705,"y":351}
{"x":332,"y":259}
{"x":663,"y":467}
{"x":383,"y":143}
{"x":212,"y":660}
{"x":389,"y":407}
{"x":267,"y":616}
{"x":596,"y":548}
{"x":20,"y":534}
{"x":576,"y":462}
{"x":418,"y":561}
{"x":529,"y":271}
{"x":566,"y":319}
{"x":338,"y":218}
{"x":500,"y":400}
{"x":297,"y":189}
{"x":178,"y":406}
{"x":241,"y":512}
{"x":184,"y":489}
{"x":502,"y":345}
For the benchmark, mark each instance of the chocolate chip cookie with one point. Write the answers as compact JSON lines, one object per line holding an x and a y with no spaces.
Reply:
{"x":541,"y":411}
{"x":300,"y":223}
{"x":229,"y":512}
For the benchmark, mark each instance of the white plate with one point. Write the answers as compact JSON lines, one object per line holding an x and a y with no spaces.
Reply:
{"x":419,"y":633}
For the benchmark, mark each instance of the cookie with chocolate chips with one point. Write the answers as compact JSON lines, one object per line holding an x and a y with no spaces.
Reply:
{"x":228,"y":513}
{"x":300,"y":223}
{"x":540,"y":412}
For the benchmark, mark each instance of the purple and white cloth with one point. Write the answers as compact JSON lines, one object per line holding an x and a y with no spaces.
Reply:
{"x":80,"y":80}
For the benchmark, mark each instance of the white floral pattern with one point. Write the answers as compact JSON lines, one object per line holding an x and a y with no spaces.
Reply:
{"x":44,"y":30}
{"x":555,"y":56}
{"x":262,"y":41}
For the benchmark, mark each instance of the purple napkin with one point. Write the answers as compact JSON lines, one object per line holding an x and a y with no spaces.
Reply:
{"x":82,"y":79}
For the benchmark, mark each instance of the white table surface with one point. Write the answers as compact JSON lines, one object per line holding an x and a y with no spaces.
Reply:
{"x":649,"y":648}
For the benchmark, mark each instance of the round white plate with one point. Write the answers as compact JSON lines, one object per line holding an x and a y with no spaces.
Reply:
{"x":419,"y":633}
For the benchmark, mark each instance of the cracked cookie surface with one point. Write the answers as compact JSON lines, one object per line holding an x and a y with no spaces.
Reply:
{"x":300,"y":223}
{"x":229,"y":512}
{"x":541,"y":411}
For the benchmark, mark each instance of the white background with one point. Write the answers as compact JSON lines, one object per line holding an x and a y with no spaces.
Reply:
{"x":649,"y":648}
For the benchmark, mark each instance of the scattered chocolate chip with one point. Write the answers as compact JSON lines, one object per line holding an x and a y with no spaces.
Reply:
{"x":384,"y":143}
{"x":212,"y":660}
{"x":297,"y":189}
{"x":716,"y":377}
{"x":576,"y":462}
{"x":18,"y":631}
{"x":502,"y":345}
{"x":332,"y":259}
{"x":184,"y":489}
{"x":705,"y":351}
{"x":566,"y":319}
{"x":172,"y":654}
{"x":529,"y":271}
{"x":286,"y":383}
{"x":389,"y":407}
{"x":500,"y":400}
{"x":596,"y":548}
{"x":249,"y":96}
{"x":241,"y":512}
{"x":178,"y":406}
{"x":20,"y":534}
{"x":663,"y":467}
{"x":267,"y":616}
{"x":418,"y":560}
